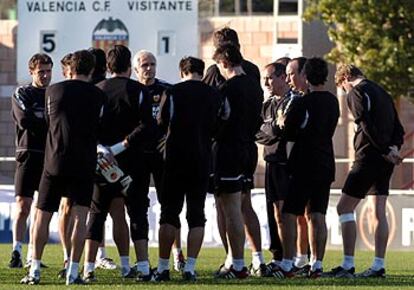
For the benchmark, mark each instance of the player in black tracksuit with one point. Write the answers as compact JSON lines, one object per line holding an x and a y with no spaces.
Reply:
{"x":126,"y":121}
{"x":28,"y":105}
{"x":234,"y":157}
{"x":145,"y":67}
{"x":379,"y":136}
{"x":189,"y":111}
{"x":214,"y":78}
{"x":312,"y":168}
{"x":153,"y":160}
{"x":99,"y":74}
{"x":73,"y":108}
{"x":275,"y":113}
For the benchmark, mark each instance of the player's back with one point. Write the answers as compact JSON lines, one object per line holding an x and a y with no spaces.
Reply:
{"x":314,"y":148}
{"x":193,"y":111}
{"x":122,"y":111}
{"x":73,"y":108}
{"x":373,"y":108}
{"x":245,"y":98}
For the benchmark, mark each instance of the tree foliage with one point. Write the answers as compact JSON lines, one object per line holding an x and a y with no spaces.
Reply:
{"x":5,"y":6}
{"x":375,"y":35}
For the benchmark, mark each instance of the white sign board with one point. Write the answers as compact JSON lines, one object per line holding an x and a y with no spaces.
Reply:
{"x":169,"y":29}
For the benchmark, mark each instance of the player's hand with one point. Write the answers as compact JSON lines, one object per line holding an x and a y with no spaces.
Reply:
{"x":106,"y":153}
{"x":393,"y":156}
{"x":280,"y":121}
{"x":161,"y":144}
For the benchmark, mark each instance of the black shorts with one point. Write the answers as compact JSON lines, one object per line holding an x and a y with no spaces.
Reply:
{"x":177,"y":186}
{"x":311,"y":193}
{"x":276,"y":181}
{"x":52,"y":188}
{"x":368,"y":178}
{"x":250,"y":167}
{"x":230,"y":164}
{"x":102,"y":197}
{"x":29,"y":167}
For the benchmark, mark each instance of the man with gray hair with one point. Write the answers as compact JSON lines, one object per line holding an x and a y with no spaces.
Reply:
{"x":145,"y":68}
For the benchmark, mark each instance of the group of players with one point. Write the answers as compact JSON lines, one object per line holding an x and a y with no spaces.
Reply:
{"x":194,"y":137}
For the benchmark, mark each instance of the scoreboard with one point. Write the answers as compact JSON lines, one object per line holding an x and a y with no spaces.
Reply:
{"x":169,"y":29}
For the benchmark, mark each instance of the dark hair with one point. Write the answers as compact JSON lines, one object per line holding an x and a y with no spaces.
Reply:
{"x":65,"y":61}
{"x":100,"y":61}
{"x":191,"y":64}
{"x":119,"y":59}
{"x":229,"y":53}
{"x":283,"y":60}
{"x":278,"y":68}
{"x":301,"y":62}
{"x":39,"y":58}
{"x":82,"y":62}
{"x":226,"y":35}
{"x":316,"y":71}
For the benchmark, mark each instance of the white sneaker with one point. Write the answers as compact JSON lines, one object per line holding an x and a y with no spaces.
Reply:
{"x":105,"y":263}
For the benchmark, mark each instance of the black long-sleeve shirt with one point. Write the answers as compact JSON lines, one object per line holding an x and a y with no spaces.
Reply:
{"x":127,"y":113}
{"x":73,"y":109}
{"x":376,"y":119}
{"x":245,"y":98}
{"x":312,"y":156}
{"x":155,"y":92}
{"x":190,"y":112}
{"x":273,"y":135}
{"x":28,"y":112}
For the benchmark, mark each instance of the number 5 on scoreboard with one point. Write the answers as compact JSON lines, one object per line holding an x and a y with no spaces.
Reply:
{"x":47,"y":41}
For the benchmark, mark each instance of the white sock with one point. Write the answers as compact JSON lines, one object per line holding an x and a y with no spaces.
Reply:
{"x":143,"y":267}
{"x":286,"y":265}
{"x":89,"y":267}
{"x":229,"y":261}
{"x":101,"y":254}
{"x":190,"y":265}
{"x":35,"y":266}
{"x":316,"y":265}
{"x":301,"y":260}
{"x":163,"y":264}
{"x":73,"y":270}
{"x":348,"y":262}
{"x":125,"y":268}
{"x":29,"y":252}
{"x":176,"y":253}
{"x":238,"y":264}
{"x":17,"y":246}
{"x":257,"y":259}
{"x":378,"y":264}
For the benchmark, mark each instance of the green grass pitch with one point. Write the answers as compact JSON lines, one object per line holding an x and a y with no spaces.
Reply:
{"x":400,"y":274}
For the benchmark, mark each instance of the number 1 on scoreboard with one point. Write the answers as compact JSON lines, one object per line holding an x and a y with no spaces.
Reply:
{"x":166,"y":42}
